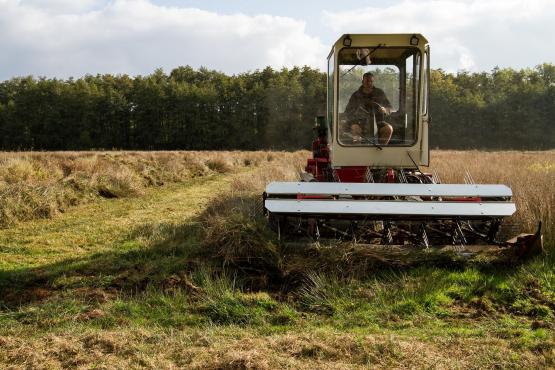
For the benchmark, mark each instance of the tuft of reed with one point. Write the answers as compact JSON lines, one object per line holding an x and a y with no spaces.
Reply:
{"x":235,"y":228}
{"x":220,"y":164}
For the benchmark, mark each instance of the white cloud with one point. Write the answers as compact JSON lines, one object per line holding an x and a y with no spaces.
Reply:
{"x":464,"y":34}
{"x":73,"y":37}
{"x":63,"y":6}
{"x":69,"y":38}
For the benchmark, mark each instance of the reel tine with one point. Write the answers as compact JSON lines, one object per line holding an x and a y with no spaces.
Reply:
{"x":435,"y":177}
{"x":369,"y":177}
{"x":467,"y":177}
{"x":402,"y":176}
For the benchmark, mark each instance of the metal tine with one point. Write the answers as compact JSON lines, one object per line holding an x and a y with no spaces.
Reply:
{"x":467,"y":177}
{"x":471,"y":178}
{"x":424,"y":236}
{"x":438,"y":179}
{"x":387,"y":237}
{"x":435,"y":177}
{"x":403,"y":177}
{"x":335,"y":176}
{"x":369,"y":176}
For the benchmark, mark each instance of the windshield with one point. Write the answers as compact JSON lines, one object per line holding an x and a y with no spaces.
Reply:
{"x":377,"y":95}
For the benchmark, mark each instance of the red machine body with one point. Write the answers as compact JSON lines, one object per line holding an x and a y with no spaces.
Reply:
{"x":319,"y":166}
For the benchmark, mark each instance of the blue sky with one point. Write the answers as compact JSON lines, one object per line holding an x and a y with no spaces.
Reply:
{"x":62,"y":38}
{"x":308,"y":11}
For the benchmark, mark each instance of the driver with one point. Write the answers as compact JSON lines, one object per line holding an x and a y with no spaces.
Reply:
{"x":365,"y":101}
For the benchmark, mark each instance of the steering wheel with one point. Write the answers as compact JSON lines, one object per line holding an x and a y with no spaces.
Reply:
{"x":358,"y":139}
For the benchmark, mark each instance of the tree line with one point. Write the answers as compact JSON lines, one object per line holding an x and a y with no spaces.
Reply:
{"x":266,"y":109}
{"x":503,"y":109}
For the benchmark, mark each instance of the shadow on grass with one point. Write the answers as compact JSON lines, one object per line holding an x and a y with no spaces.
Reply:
{"x":130,"y":269}
{"x":157,"y":254}
{"x":231,"y":237}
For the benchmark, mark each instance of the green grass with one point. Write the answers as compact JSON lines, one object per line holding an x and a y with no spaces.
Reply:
{"x":135,"y":283}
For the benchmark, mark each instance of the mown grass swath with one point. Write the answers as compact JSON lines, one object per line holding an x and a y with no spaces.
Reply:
{"x":37,"y":185}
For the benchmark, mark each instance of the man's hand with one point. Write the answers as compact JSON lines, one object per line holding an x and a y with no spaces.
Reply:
{"x":356,"y":132}
{"x":383,"y":109}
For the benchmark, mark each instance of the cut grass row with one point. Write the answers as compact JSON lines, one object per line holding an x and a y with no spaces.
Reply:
{"x":39,"y":185}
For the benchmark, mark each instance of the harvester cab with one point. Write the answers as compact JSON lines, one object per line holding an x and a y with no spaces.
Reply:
{"x":364,"y":181}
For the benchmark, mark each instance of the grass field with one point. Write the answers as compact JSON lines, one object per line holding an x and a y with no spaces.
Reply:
{"x":163,"y":260}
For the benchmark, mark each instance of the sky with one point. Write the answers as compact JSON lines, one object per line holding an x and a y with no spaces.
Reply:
{"x":71,"y":38}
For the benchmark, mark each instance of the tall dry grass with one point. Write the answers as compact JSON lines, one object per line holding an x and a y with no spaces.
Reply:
{"x":41,"y":184}
{"x":531,"y":175}
{"x":234,"y":226}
